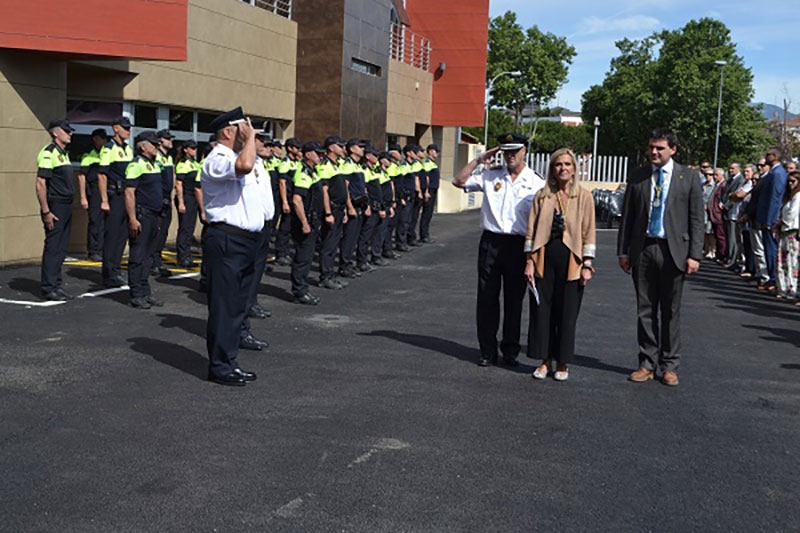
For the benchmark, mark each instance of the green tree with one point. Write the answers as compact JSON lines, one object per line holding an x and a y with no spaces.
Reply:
{"x":550,"y":136}
{"x":670,"y":79}
{"x":542,"y":58}
{"x":499,"y":122}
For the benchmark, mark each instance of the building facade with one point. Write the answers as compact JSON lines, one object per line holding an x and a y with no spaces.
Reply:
{"x":305,"y":68}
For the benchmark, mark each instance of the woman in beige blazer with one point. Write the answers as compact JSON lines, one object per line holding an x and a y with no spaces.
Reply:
{"x":560,"y":246}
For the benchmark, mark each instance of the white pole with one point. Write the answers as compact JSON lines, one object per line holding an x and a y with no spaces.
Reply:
{"x":719,"y":109}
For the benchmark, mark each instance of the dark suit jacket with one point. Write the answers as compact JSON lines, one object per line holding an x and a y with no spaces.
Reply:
{"x":683,"y":218}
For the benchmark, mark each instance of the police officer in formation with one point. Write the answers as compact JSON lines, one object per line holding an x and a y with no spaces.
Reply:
{"x":187,"y":181}
{"x":353,"y":171}
{"x":143,"y":206}
{"x":165,"y":161}
{"x":55,"y":190}
{"x":431,"y":169}
{"x":336,"y":202}
{"x":114,"y":159}
{"x":90,"y":195}
{"x":283,"y":216}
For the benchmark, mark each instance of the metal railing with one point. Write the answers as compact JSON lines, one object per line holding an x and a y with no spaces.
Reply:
{"x":608,"y":168}
{"x":282,"y":8}
{"x":410,"y":48}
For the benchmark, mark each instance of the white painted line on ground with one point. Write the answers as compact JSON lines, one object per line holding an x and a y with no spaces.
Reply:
{"x":185,"y":275}
{"x":30,"y":304}
{"x":104,"y":292}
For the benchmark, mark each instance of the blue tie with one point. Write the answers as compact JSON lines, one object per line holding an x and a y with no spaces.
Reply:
{"x":657,"y":211}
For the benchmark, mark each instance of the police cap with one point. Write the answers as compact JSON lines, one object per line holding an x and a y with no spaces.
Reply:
{"x":355,"y":141}
{"x":100,"y":132}
{"x":409,"y":148}
{"x":432,"y":147}
{"x":225,"y":119}
{"x":334,"y":139}
{"x":385,"y":155}
{"x":512,"y":141}
{"x":189,"y":144}
{"x":293,"y":142}
{"x":60,"y":123}
{"x":149,"y":136}
{"x":394,"y":147}
{"x":371,"y":150}
{"x":122,"y":121}
{"x":265,"y":137}
{"x":313,"y":146}
{"x":164,"y":134}
{"x":276,"y":143}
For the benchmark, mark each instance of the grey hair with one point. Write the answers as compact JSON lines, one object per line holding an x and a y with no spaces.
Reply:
{"x":752,"y":168}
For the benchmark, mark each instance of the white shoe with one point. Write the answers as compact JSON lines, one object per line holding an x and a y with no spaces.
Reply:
{"x":540,"y":372}
{"x":561,"y":375}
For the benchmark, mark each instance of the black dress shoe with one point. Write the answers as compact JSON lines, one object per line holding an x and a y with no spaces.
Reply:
{"x":247,"y":376}
{"x":233,"y":379}
{"x":256,"y":311}
{"x":155,"y":302}
{"x":140,"y":303}
{"x":54,"y":296}
{"x":307,"y":299}
{"x":283,"y":261}
{"x":403,"y":248}
{"x":379,"y":261}
{"x":510,"y":361}
{"x":64,"y":294}
{"x":97,"y":258}
{"x":486,"y":360}
{"x":116,"y":282}
{"x":415,"y":243}
{"x":428,"y":240}
{"x":252,"y":343}
{"x":164,"y":272}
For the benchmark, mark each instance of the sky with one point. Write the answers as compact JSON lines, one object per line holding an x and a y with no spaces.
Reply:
{"x":761,"y":31}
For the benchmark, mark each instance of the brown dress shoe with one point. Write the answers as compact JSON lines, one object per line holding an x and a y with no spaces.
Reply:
{"x":641,"y":375}
{"x":670,"y":378}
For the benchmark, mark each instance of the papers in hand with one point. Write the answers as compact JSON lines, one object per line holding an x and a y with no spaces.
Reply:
{"x":534,"y":292}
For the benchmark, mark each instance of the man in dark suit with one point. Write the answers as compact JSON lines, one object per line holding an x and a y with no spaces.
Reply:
{"x":660,"y":242}
{"x":768,"y":213}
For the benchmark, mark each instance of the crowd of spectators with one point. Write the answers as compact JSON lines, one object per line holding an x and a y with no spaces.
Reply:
{"x":752,"y":219}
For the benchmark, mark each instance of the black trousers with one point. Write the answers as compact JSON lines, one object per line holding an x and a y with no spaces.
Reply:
{"x":659,"y":287}
{"x":304,"y":254}
{"x":551,"y":332}
{"x":115,"y":235}
{"x":350,"y":234}
{"x":262,"y":251}
{"x":403,"y":221}
{"x":416,"y":209}
{"x":165,"y":219}
{"x":379,"y":236}
{"x":56,"y":242}
{"x":94,"y":231}
{"x":389,"y":228}
{"x":283,"y":236}
{"x":331,"y":239}
{"x":142,"y":251}
{"x":230,"y":261}
{"x":501,"y":264}
{"x":427,"y":215}
{"x":186,"y":225}
{"x":369,"y":225}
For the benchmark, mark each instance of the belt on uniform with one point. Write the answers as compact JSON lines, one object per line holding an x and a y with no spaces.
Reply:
{"x":235,"y":230}
{"x":58,"y":200}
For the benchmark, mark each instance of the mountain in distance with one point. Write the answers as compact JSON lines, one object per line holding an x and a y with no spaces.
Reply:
{"x":773,"y":112}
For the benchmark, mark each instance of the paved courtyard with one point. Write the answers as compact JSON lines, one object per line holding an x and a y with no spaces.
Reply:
{"x":370,"y":413}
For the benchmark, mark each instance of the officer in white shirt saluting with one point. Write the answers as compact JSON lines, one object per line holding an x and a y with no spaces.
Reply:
{"x":235,"y":211}
{"x":508,"y":194}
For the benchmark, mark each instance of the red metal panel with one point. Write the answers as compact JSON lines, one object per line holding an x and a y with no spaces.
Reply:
{"x":459,"y":34}
{"x":135,"y":29}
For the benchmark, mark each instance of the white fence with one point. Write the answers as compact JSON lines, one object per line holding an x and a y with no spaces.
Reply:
{"x":608,"y":168}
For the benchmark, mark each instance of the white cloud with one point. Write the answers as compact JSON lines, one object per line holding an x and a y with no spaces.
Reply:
{"x":633,"y":23}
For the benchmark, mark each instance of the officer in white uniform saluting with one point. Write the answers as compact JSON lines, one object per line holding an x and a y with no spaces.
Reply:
{"x":235,"y":211}
{"x":508,"y":194}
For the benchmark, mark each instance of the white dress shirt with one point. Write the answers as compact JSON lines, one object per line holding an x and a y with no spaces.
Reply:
{"x":506,"y":203}
{"x":664,"y":193}
{"x":263,"y":179}
{"x":230,"y":197}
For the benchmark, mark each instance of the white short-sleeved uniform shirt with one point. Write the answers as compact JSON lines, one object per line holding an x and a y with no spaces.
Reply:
{"x":506,"y":204}
{"x":263,"y":179}
{"x":228,"y":197}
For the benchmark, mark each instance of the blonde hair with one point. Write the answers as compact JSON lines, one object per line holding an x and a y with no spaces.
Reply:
{"x":552,"y":182}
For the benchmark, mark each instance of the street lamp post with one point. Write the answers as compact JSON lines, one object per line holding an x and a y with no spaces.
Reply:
{"x":594,"y":150}
{"x":721,"y":65}
{"x":513,"y":73}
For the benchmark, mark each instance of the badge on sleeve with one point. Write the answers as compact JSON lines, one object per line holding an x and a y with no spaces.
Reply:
{"x":498,"y":186}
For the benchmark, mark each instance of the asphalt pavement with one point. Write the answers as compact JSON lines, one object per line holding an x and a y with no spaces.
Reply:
{"x":370,"y":413}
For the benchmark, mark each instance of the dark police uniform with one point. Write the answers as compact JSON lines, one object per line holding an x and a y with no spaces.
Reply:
{"x":55,"y":168}
{"x":144,"y":175}
{"x":90,"y":164}
{"x":235,"y":218}
{"x":432,"y":172}
{"x":418,"y":170}
{"x":382,"y":232}
{"x":167,"y":165}
{"x":331,"y":174}
{"x":188,"y":173}
{"x":394,"y":173}
{"x":307,"y":185}
{"x":370,"y":223}
{"x":114,"y":159}
{"x":405,"y":203}
{"x":356,"y":187}
{"x":286,"y":171}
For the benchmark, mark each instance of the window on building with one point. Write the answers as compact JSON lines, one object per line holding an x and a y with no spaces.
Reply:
{"x":83,"y":112}
{"x":181,"y":119}
{"x":145,"y":116}
{"x":365,"y":68}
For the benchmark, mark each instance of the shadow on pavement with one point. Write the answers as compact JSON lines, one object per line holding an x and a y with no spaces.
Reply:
{"x":30,"y":286}
{"x":189,"y":324}
{"x":597,"y":364}
{"x":92,"y":275}
{"x":447,"y":347}
{"x":173,"y":355}
{"x":276,"y":292}
{"x":780,"y":334}
{"x":790,"y":366}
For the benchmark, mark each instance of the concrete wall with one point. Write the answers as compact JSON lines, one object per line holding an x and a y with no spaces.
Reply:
{"x":410,"y":97}
{"x":33,"y":90}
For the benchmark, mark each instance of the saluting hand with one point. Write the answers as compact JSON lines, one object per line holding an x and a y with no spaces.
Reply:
{"x":488,"y":155}
{"x":246,"y":131}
